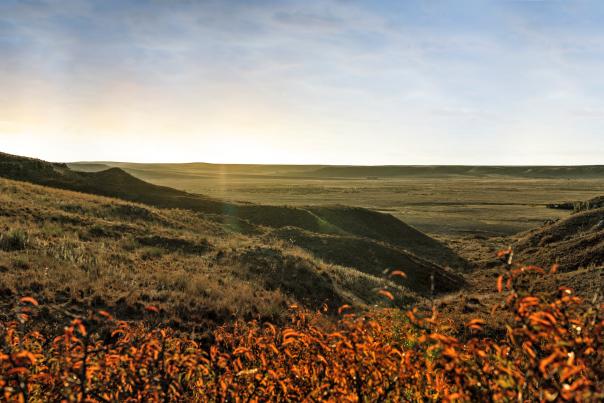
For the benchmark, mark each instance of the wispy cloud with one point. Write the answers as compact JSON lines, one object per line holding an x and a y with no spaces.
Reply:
{"x":318,"y":81}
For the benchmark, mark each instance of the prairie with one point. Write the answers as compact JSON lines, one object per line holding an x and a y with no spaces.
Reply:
{"x":129,"y":261}
{"x":446,"y":203}
{"x":76,"y":252}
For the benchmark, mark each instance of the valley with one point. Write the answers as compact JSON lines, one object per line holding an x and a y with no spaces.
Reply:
{"x":261,"y":252}
{"x":448,"y":203}
{"x":263,"y":237}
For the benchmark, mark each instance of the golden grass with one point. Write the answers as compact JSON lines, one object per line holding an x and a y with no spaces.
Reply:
{"x":82,"y":251}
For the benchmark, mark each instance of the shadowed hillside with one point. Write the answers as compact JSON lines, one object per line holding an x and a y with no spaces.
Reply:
{"x":77,"y":251}
{"x":243,"y":217}
{"x":370,"y":257}
{"x":574,"y":242}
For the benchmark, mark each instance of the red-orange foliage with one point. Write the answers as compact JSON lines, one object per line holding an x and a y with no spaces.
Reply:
{"x":552,"y":350}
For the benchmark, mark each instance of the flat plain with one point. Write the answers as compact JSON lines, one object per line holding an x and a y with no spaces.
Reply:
{"x":444,"y":205}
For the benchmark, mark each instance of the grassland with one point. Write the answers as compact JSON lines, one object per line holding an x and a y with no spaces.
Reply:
{"x":76,"y":251}
{"x":449,"y":204}
{"x":182,"y":285}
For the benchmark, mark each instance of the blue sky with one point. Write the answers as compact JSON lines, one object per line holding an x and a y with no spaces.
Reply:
{"x":342,"y":82}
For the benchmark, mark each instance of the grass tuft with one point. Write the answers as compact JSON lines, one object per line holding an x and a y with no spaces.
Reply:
{"x":14,"y":240}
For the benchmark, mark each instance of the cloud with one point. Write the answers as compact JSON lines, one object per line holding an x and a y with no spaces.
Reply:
{"x":307,"y":20}
{"x":416,"y":75}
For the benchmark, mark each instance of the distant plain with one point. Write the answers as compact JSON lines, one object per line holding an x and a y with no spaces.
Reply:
{"x":450,"y":205}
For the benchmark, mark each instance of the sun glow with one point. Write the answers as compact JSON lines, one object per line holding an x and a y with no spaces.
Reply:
{"x":340,"y":83}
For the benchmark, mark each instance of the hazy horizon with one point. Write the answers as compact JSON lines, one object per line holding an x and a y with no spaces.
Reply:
{"x":314,"y":82}
{"x":319,"y":164}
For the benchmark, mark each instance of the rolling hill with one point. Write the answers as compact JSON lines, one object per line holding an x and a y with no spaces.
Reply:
{"x":109,"y":240}
{"x":242,"y":217}
{"x":76,"y":251}
{"x":575,"y":243}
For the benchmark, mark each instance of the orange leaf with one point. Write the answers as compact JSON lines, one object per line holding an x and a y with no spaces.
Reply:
{"x":398,"y":273}
{"x":152,"y":308}
{"x":105,"y":314}
{"x":28,"y":355}
{"x":527,"y":346}
{"x":475,"y":322}
{"x":240,"y":350}
{"x":500,"y":283}
{"x":386,"y":294}
{"x":343,"y":308}
{"x":18,"y":370}
{"x":546,"y":361}
{"x":29,"y":300}
{"x":568,"y":372}
{"x":504,"y":252}
{"x":82,"y":329}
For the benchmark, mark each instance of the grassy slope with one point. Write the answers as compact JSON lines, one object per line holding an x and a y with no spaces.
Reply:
{"x":244,"y":217}
{"x":574,"y":242}
{"x":74,"y":250}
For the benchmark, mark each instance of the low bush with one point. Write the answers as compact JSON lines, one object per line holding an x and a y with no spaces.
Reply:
{"x":552,"y":349}
{"x":14,"y":240}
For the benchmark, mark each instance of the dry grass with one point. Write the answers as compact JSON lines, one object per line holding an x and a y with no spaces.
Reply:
{"x":449,"y":203}
{"x":78,"y":251}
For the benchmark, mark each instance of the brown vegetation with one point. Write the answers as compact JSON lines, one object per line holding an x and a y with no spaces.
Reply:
{"x":575,"y":243}
{"x":552,"y":350}
{"x":176,"y":302}
{"x":245,"y":218}
{"x":76,"y":251}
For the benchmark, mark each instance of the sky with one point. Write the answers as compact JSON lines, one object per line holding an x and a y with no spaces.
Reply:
{"x":304,"y":82}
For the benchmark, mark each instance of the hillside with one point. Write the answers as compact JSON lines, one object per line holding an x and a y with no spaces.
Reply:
{"x":197,"y":258}
{"x":76,"y":251}
{"x":574,"y":242}
{"x":241,"y":217}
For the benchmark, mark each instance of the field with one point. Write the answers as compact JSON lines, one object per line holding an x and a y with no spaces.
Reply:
{"x":77,"y":252}
{"x":115,"y":289}
{"x":450,"y":204}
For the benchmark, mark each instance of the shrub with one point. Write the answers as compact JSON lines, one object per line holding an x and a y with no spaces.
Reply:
{"x":151,"y":252}
{"x":20,"y":262}
{"x":552,"y":350}
{"x":14,"y":240}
